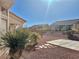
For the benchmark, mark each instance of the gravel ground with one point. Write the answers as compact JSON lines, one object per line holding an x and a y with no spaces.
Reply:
{"x":51,"y":36}
{"x":55,"y":52}
{"x":52,"y":53}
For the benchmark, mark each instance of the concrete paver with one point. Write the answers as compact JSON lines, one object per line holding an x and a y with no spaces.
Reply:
{"x":66,"y":43}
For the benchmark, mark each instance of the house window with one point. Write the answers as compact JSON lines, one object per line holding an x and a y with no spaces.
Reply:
{"x":12,"y":27}
{"x":4,"y":11}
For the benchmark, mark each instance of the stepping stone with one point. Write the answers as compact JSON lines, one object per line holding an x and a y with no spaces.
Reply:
{"x":40,"y":47}
{"x":43,"y":46}
{"x":50,"y":46}
{"x":46,"y":44}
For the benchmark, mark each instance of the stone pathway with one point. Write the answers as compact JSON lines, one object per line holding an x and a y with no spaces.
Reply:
{"x":47,"y":45}
{"x":74,"y":45}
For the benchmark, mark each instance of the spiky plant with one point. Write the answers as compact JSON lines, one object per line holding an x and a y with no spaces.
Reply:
{"x":16,"y":42}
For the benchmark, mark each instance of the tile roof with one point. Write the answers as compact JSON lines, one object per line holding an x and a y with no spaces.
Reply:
{"x":66,"y":22}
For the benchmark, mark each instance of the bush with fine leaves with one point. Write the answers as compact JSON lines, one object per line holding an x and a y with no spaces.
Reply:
{"x":32,"y":41}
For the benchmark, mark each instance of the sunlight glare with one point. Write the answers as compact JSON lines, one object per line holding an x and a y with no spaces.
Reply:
{"x":49,"y":2}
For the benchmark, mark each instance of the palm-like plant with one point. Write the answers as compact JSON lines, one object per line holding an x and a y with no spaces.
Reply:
{"x":16,"y":42}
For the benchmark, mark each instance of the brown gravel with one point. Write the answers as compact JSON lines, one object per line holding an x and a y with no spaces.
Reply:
{"x":52,"y":53}
{"x":53,"y":36}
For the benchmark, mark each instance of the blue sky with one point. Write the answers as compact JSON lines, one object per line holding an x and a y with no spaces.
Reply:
{"x":46,"y":11}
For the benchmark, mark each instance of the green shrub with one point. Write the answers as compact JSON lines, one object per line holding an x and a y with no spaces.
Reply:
{"x":32,"y":41}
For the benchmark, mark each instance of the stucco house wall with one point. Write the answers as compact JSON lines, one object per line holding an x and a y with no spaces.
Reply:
{"x":76,"y":26}
{"x":8,"y":20}
{"x":15,"y":22}
{"x":65,"y":25}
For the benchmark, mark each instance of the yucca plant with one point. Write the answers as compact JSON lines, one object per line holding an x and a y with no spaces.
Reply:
{"x":16,"y":42}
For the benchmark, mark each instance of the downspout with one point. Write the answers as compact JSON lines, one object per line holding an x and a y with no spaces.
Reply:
{"x":0,"y":21}
{"x":8,"y":22}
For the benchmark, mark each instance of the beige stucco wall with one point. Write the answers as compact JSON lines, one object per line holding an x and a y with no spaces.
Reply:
{"x":15,"y":21}
{"x":9,"y":20}
{"x":75,"y":26}
{"x":4,"y":25}
{"x":3,"y":22}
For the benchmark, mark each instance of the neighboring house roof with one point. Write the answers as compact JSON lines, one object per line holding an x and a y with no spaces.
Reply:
{"x":40,"y":26}
{"x":66,"y":22}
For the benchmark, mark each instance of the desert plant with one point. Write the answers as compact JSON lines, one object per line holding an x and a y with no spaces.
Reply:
{"x":16,"y":42}
{"x":32,"y":41}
